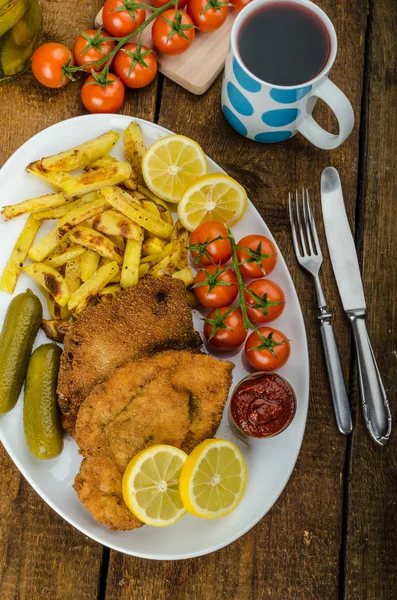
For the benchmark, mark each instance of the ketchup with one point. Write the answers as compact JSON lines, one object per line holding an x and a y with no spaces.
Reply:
{"x":263,"y":405}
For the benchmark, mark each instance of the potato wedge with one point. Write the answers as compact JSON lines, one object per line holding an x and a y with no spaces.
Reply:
{"x":89,"y":262}
{"x":54,"y":178}
{"x":73,"y":274}
{"x":49,"y":242}
{"x":56,"y":329}
{"x":109,"y":292}
{"x":152,"y":245}
{"x":135,"y":148}
{"x":57,"y":259}
{"x":51,"y":280}
{"x":94,"y":180}
{"x":169,"y":263}
{"x":33,"y":205}
{"x":56,"y":311}
{"x":185,"y":275}
{"x":153,"y":210}
{"x":166,"y":213}
{"x":102,"y":161}
{"x":18,"y":256}
{"x":153,"y":259}
{"x":113,"y":222}
{"x":81,"y":298}
{"x":81,"y":155}
{"x":122,"y":201}
{"x":61,"y":211}
{"x":118,"y":240}
{"x":191,"y":298}
{"x":180,"y":232}
{"x":93,"y":240}
{"x":143,"y":269}
{"x":130,"y":268}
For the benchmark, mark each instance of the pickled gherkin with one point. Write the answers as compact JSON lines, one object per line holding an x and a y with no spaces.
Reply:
{"x":20,"y":34}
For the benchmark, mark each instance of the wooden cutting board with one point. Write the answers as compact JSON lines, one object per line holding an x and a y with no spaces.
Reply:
{"x":197,"y":68}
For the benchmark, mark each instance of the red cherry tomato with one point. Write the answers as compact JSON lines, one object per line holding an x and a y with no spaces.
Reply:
{"x":218,"y":252}
{"x":106,"y":98}
{"x":121,"y":22}
{"x":160,"y":3}
{"x":271,"y":358}
{"x":240,"y":4}
{"x":92,"y":49}
{"x":176,"y":39}
{"x":207,"y":15}
{"x":139,"y":75}
{"x":233,"y":332}
{"x":261,"y":254}
{"x":267,"y":302}
{"x":219,"y":295}
{"x":48,"y":62}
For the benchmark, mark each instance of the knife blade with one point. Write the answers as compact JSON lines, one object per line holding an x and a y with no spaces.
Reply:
{"x":344,"y":261}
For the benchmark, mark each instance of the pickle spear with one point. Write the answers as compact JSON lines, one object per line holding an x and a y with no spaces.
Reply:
{"x":21,"y":324}
{"x":41,"y":417}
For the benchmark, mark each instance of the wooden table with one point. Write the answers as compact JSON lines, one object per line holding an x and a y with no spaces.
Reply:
{"x":332,"y":533}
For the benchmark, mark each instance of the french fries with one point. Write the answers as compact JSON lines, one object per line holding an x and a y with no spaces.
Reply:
{"x":130,"y":269}
{"x":81,"y":155}
{"x":60,"y":211}
{"x":146,"y":193}
{"x":54,"y":178}
{"x":73,"y":274}
{"x":152,"y":245}
{"x":94,"y":180}
{"x":135,"y":148}
{"x":18,"y":256}
{"x":89,"y":262}
{"x":185,"y":275}
{"x":56,"y":311}
{"x":81,"y":298}
{"x":57,"y":259}
{"x":102,"y":161}
{"x":93,"y":240}
{"x":122,"y":201}
{"x":112,"y":222}
{"x":109,"y":292}
{"x":33,"y":205}
{"x":51,"y":280}
{"x":55,"y":329}
{"x":118,"y":240}
{"x":49,"y":242}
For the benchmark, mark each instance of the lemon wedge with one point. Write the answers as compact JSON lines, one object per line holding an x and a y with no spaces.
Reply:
{"x":151,"y":485}
{"x":213,"y":479}
{"x":215,"y":197}
{"x":171,"y":164}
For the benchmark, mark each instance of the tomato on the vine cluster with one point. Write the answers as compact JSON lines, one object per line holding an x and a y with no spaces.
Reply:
{"x":257,"y":256}
{"x":208,"y":15}
{"x":215,"y":286}
{"x":173,"y":32}
{"x":160,"y":3}
{"x":218,"y":251}
{"x":265,"y":300}
{"x":91,"y":46}
{"x":270,"y":354}
{"x":105,"y":96}
{"x":48,"y":63}
{"x":122,"y":17}
{"x":225,"y":333}
{"x":136,"y":65}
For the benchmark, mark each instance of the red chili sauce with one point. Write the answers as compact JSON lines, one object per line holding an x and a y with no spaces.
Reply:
{"x":263,"y":406}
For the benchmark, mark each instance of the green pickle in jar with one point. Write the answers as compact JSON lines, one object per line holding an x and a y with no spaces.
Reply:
{"x":20,"y":34}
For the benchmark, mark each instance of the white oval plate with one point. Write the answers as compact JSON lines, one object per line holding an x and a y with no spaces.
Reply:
{"x":270,"y":462}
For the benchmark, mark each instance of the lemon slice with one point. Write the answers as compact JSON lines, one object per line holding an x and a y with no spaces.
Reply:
{"x":213,"y":479}
{"x":171,"y":164}
{"x":215,"y":197}
{"x":151,"y":485}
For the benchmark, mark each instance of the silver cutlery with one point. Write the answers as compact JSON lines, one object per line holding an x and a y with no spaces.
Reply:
{"x":343,"y":254}
{"x":310,"y":258}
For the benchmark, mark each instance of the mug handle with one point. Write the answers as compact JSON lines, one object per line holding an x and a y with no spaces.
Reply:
{"x":341,"y":107}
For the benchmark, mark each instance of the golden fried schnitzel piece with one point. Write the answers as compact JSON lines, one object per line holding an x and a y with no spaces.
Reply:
{"x":148,"y":318}
{"x":175,"y":397}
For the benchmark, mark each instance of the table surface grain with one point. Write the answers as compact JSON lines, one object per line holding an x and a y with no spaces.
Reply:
{"x":332,"y":533}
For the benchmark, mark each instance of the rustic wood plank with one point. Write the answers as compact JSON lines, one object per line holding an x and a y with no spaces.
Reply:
{"x":294,"y":551}
{"x":41,"y":556}
{"x":372,"y":493}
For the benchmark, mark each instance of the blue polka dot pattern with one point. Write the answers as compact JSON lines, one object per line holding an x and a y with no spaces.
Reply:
{"x":273,"y":136}
{"x":234,"y":121}
{"x":245,"y":80}
{"x":239,"y":101}
{"x":289,"y":96}
{"x":281,"y":117}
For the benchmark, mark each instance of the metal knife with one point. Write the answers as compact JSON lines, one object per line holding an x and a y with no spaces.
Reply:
{"x":343,"y":254}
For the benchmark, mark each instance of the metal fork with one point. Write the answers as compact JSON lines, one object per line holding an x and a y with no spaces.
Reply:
{"x":310,"y":258}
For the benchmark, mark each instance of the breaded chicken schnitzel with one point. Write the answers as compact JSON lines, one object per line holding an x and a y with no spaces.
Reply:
{"x":151,"y":317}
{"x":174,"y":397}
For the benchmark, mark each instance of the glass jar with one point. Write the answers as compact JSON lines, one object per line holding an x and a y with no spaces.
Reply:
{"x":20,"y":34}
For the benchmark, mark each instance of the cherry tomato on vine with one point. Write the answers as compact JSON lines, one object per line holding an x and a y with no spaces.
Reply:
{"x":160,"y":3}
{"x":48,"y":62}
{"x":266,"y":301}
{"x":208,"y":15}
{"x":240,"y":4}
{"x":136,"y":67}
{"x":102,"y":97}
{"x":173,"y":32}
{"x":122,"y":17}
{"x":227,"y":332}
{"x":218,"y":252}
{"x":270,"y":354}
{"x":214,"y":286}
{"x":260,"y":253}
{"x":90,"y":46}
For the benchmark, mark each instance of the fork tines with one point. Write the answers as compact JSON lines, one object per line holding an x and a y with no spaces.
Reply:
{"x":306,"y":227}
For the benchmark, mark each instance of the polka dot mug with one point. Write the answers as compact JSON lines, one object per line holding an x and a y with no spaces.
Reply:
{"x":271,"y":113}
